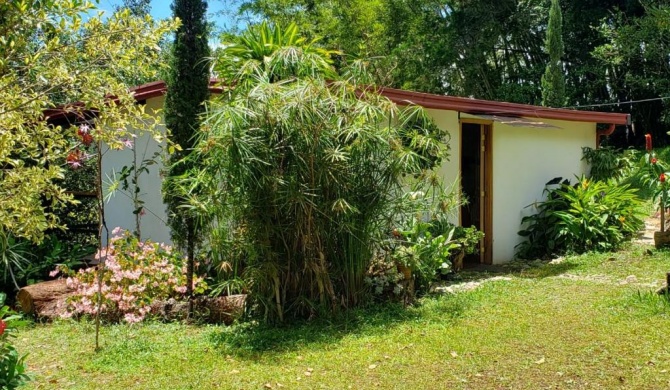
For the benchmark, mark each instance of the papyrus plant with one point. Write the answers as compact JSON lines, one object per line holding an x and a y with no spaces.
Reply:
{"x":305,"y":162}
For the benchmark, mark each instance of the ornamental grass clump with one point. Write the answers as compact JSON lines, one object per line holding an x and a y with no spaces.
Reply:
{"x":136,"y":274}
{"x":307,"y":164}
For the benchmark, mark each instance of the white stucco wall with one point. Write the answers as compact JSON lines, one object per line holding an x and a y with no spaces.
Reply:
{"x":524,"y":159}
{"x":119,"y":209}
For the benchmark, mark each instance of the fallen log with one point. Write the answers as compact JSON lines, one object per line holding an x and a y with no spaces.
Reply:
{"x":45,"y":299}
{"x":48,"y":301}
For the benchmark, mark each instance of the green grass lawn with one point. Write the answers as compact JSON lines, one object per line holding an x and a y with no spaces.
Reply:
{"x":573,"y":325}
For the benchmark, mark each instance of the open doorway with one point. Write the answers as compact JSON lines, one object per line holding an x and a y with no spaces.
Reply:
{"x":476,"y":186}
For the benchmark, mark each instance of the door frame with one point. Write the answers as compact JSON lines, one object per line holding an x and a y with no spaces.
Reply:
{"x":485,"y":185}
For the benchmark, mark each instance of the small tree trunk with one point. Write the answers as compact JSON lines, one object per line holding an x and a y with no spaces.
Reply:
{"x":190,"y":264}
{"x":662,"y":213}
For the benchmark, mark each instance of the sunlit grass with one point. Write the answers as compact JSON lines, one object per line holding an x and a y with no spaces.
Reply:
{"x":542,"y":329}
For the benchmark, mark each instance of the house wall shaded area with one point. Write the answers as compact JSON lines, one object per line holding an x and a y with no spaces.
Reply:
{"x":119,"y":208}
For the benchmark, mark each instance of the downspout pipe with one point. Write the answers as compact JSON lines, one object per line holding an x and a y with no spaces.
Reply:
{"x":603,"y":133}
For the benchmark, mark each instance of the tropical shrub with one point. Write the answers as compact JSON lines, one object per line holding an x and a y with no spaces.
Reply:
{"x":23,"y":263}
{"x":385,"y":280}
{"x":423,"y":236}
{"x":646,"y":175}
{"x":587,"y":216}
{"x":14,"y":258}
{"x":306,"y":164}
{"x":608,"y":163}
{"x":422,"y":243}
{"x":426,"y":255}
{"x":49,"y":254}
{"x":468,"y":239}
{"x":136,"y":273}
{"x":12,"y":365}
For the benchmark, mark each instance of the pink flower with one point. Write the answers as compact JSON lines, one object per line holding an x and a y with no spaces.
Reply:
{"x":127,"y":143}
{"x":132,"y":318}
{"x":83,"y":129}
{"x":54,"y":272}
{"x":75,"y":159}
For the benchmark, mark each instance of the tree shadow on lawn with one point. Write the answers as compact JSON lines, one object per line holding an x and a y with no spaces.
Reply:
{"x":528,"y":269}
{"x":248,"y":339}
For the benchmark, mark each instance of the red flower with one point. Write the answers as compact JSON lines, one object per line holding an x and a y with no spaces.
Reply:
{"x":647,"y":139}
{"x":3,"y":326}
{"x":662,"y":178}
{"x":654,"y":160}
{"x":87,"y":139}
{"x":84,"y":133}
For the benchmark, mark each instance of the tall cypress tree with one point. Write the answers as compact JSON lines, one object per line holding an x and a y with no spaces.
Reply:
{"x":553,"y":80}
{"x":187,"y":90}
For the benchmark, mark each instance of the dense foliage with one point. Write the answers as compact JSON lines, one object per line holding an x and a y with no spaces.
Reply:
{"x":423,"y":239}
{"x":188,"y":89}
{"x":60,"y":63}
{"x":304,"y":166}
{"x":608,"y":163}
{"x":632,"y":168}
{"x":614,"y":50}
{"x":587,"y":216}
{"x":50,"y":55}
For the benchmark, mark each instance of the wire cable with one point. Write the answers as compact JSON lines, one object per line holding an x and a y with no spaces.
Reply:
{"x":616,"y":104}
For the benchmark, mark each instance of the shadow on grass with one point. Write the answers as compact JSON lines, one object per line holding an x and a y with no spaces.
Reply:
{"x":530,"y":269}
{"x":250,"y":338}
{"x":539,"y":269}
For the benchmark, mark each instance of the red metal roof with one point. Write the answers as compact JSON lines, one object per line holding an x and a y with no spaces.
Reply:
{"x":159,"y":88}
{"x":476,"y":106}
{"x":442,"y":102}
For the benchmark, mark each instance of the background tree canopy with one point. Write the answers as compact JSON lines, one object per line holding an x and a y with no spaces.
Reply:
{"x":614,"y":50}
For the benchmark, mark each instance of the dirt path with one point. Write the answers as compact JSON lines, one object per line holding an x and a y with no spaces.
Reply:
{"x":651,"y":224}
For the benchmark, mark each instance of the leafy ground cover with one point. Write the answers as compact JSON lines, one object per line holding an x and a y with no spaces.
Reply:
{"x":589,"y":321}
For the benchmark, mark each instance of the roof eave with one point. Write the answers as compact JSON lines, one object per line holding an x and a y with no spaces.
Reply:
{"x":439,"y":102}
{"x":476,"y":106}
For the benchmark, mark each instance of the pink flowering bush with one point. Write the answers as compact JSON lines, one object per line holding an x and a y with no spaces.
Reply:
{"x":136,"y":274}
